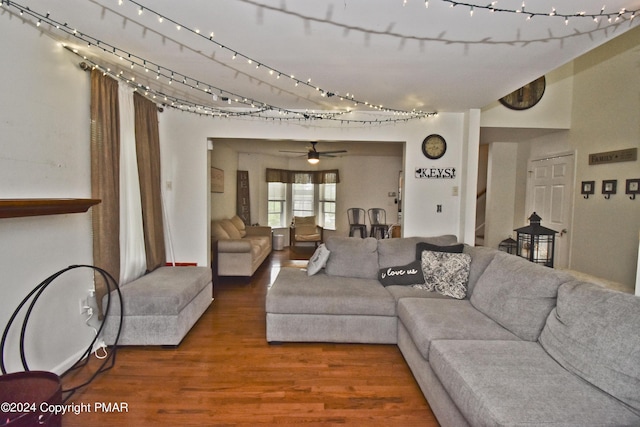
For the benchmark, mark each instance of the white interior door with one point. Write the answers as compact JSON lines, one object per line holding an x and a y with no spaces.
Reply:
{"x":550,"y":195}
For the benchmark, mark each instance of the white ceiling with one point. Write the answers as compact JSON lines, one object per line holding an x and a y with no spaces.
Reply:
{"x":395,"y":53}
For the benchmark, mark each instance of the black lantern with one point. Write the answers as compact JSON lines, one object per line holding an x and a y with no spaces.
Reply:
{"x":535,"y":242}
{"x":508,"y":245}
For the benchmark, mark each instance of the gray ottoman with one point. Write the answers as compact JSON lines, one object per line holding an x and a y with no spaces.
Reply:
{"x":159,"y":307}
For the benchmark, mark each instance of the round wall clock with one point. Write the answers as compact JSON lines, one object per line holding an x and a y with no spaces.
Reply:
{"x":434,"y":146}
{"x":525,"y":97}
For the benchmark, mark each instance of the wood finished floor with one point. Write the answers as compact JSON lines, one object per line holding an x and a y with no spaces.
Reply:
{"x":225,"y":374}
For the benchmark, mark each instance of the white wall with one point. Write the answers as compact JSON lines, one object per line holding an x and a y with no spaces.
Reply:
{"x":223,"y":205}
{"x":553,"y":111}
{"x":366,"y":182}
{"x":605,"y":118}
{"x":603,"y":97}
{"x":501,"y":193}
{"x":469,"y":177}
{"x":44,"y":153}
{"x":184,"y":157}
{"x":184,"y":139}
{"x":638,"y":269}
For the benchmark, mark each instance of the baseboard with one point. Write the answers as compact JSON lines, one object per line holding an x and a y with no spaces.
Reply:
{"x":63,"y":367}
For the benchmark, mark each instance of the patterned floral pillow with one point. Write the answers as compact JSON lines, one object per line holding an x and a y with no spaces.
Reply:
{"x":446,"y":273}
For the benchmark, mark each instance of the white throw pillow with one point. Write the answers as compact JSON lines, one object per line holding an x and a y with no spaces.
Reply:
{"x":446,"y":273}
{"x":318,"y":260}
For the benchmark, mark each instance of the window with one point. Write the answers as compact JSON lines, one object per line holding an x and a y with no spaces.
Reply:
{"x":276,"y":204}
{"x":327,"y":206}
{"x":302,"y":193}
{"x":303,"y":197}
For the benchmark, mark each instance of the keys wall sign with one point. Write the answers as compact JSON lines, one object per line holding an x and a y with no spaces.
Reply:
{"x":436,"y":173}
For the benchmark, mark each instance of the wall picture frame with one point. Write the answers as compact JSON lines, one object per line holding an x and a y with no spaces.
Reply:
{"x":588,"y":188}
{"x":217,"y":180}
{"x":609,"y":187}
{"x":632,"y":188}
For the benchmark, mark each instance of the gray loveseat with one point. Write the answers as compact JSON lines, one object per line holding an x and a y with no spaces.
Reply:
{"x":527,"y":345}
{"x":238,"y":250}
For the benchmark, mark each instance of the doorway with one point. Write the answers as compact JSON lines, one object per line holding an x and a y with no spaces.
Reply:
{"x":550,"y":183}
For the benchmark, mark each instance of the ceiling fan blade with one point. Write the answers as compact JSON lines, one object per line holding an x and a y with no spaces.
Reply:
{"x":333,"y":152}
{"x":288,"y":151}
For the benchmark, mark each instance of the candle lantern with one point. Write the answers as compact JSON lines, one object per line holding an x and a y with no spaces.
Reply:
{"x":535,"y":242}
{"x":508,"y":245}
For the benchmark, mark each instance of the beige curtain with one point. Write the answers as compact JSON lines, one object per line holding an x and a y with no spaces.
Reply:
{"x":105,"y":160}
{"x":148,"y":152}
{"x":303,"y":177}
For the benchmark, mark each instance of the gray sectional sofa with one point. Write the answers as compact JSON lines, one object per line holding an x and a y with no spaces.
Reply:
{"x":527,"y":345}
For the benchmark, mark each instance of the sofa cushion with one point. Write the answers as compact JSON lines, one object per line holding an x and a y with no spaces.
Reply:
{"x":481,"y":256}
{"x":261,"y":242}
{"x":352,"y":257}
{"x":238,"y":246}
{"x":446,"y":273}
{"x":294,"y":292}
{"x":165,"y":291}
{"x":217,"y":232}
{"x":238,"y":223}
{"x":410,"y":274}
{"x":402,"y":291}
{"x":231,"y":229}
{"x":518,"y":294}
{"x":516,"y":383}
{"x":318,"y":260}
{"x":393,"y":252}
{"x":256,"y":249}
{"x":427,"y":320}
{"x":594,"y":332}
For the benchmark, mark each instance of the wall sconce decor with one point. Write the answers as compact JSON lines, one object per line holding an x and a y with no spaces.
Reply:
{"x":535,"y":242}
{"x":633,"y":188}
{"x":588,"y":188}
{"x":609,"y":187}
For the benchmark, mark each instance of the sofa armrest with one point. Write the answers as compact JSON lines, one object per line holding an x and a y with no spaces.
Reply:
{"x":258,"y":230}
{"x":234,"y":246}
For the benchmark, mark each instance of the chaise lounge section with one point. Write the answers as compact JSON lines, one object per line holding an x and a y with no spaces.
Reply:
{"x":160,"y":307}
{"x":524,"y":345}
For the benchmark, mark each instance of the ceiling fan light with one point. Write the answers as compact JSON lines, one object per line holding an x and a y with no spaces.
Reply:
{"x":313,"y":157}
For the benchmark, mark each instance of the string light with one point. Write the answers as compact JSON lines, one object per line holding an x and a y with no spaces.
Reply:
{"x":492,"y":7}
{"x":621,"y":14}
{"x":250,"y":60}
{"x":258,"y":109}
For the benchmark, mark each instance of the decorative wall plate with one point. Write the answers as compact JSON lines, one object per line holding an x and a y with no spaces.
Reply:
{"x":525,"y":97}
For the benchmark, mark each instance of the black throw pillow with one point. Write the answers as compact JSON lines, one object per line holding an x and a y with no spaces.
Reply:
{"x":424,"y":246}
{"x":410,"y":274}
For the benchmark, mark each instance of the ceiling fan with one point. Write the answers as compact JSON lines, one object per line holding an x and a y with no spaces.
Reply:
{"x":313,"y":155}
